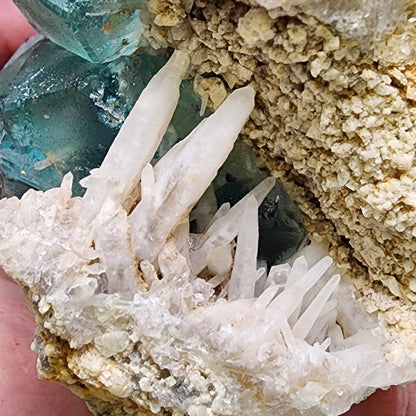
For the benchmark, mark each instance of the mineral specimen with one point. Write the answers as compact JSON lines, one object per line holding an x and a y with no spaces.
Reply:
{"x":139,"y":316}
{"x":334,"y":120}
{"x":60,"y":113}
{"x":41,"y":141}
{"x":98,"y":31}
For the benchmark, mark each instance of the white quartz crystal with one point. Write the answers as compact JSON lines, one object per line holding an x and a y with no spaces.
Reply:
{"x":152,"y":318}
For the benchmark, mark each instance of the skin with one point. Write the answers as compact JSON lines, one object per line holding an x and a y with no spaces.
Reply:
{"x":21,"y":393}
{"x":14,"y":29}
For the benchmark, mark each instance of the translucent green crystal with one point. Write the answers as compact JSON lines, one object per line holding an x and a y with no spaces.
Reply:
{"x":60,"y":113}
{"x":239,"y":175}
{"x":281,"y":230}
{"x":97,"y":30}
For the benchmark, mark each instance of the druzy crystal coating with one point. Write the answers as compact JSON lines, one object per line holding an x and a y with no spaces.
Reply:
{"x":99,"y":31}
{"x":60,"y":113}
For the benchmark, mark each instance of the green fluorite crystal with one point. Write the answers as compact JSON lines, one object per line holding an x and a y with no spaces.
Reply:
{"x":281,"y":230}
{"x":97,"y":30}
{"x":60,"y":113}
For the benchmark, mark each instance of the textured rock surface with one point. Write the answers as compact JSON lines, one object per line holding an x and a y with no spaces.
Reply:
{"x":334,"y":116}
{"x":138,"y":316}
{"x":334,"y":119}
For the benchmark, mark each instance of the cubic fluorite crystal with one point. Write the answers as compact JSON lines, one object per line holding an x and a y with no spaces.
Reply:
{"x":60,"y":113}
{"x":99,"y":31}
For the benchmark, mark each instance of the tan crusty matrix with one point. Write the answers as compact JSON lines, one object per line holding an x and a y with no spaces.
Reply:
{"x":334,"y":114}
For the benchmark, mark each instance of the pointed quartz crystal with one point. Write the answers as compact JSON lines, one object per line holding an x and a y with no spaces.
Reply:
{"x":99,"y":31}
{"x":60,"y":113}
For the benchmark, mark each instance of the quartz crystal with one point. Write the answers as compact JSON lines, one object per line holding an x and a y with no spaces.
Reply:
{"x":60,"y":113}
{"x":334,"y":121}
{"x":44,"y":86}
{"x":138,"y":316}
{"x":99,"y":31}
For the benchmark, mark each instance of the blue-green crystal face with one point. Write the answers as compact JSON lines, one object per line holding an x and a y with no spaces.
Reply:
{"x":281,"y":230}
{"x":239,"y":175}
{"x":60,"y":113}
{"x":97,"y":30}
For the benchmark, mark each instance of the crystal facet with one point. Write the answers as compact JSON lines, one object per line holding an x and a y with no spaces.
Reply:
{"x":46,"y":88}
{"x":98,"y":31}
{"x":281,"y":230}
{"x":60,"y":113}
{"x":140,"y":316}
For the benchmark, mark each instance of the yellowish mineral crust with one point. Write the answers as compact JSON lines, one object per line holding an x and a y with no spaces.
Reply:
{"x":335,"y":114}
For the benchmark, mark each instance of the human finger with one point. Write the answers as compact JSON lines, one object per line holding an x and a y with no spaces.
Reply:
{"x":14,"y":30}
{"x":396,"y":401}
{"x":21,"y":392}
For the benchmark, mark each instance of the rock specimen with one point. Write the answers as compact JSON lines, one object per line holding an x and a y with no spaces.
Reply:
{"x":334,"y":118}
{"x":60,"y":113}
{"x":138,"y":316}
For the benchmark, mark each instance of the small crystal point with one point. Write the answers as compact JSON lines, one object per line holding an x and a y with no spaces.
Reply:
{"x":99,"y":31}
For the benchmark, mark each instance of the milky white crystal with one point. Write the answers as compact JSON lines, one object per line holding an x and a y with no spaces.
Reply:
{"x":158,"y":318}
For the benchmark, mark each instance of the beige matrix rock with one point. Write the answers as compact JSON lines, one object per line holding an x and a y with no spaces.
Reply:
{"x":139,"y":316}
{"x":334,"y":116}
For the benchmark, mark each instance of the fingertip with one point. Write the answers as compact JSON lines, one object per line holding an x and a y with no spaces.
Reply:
{"x":396,"y":401}
{"x":21,"y":392}
{"x":14,"y":30}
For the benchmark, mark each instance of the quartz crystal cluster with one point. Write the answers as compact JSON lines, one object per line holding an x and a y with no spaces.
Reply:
{"x":334,"y":119}
{"x":140,"y":316}
{"x":60,"y":114}
{"x":157,"y":292}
